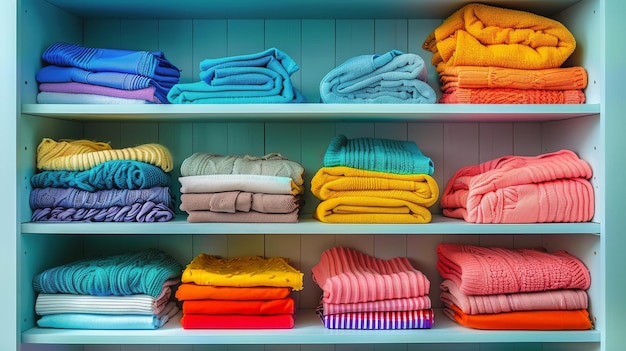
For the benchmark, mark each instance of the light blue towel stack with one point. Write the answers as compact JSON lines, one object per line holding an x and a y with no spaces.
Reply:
{"x":393,"y":77}
{"x":263,"y":77}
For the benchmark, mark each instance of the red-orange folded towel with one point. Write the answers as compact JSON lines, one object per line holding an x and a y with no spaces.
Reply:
{"x":260,"y":307}
{"x":191,"y":291}
{"x":207,"y":321}
{"x":511,"y":96}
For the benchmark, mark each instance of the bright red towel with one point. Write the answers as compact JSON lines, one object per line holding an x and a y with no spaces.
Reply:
{"x":260,"y":307}
{"x":206,"y":321}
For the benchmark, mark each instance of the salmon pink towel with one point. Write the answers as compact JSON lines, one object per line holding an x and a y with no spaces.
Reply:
{"x":221,"y":307}
{"x":552,"y":187}
{"x":191,"y":291}
{"x":207,"y":321}
{"x":405,"y":304}
{"x":493,"y":270}
{"x":348,"y":276}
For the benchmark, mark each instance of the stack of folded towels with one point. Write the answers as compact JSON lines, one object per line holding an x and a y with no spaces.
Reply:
{"x":79,"y":75}
{"x":492,"y":55}
{"x":232,"y":188}
{"x":364,"y":292}
{"x":88,"y":181}
{"x":551,"y":187}
{"x":123,"y":291}
{"x":392,"y":77}
{"x":248,"y":292}
{"x":513,"y":289}
{"x":373,"y":180}
{"x":262,"y":77}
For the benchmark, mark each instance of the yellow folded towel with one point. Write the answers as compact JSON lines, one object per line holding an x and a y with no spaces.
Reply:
{"x":370,"y":210}
{"x":483,"y":35}
{"x":80,"y":155}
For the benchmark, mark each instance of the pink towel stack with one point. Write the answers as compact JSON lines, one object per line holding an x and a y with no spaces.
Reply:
{"x":364,"y":292}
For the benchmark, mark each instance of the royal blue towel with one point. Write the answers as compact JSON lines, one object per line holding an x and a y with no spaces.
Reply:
{"x":76,"y":198}
{"x":138,"y":212}
{"x":150,"y":64}
{"x":263,"y":77}
{"x":376,"y":154}
{"x":140,"y":272}
{"x":114,"y":174}
{"x":393,"y":77}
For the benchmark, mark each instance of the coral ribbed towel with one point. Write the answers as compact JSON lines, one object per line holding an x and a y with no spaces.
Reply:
{"x":511,"y":96}
{"x":552,"y":187}
{"x":348,"y":276}
{"x":493,"y":270}
{"x":483,"y":35}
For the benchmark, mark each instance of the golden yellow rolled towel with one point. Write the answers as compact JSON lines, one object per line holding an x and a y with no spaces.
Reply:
{"x":80,"y":155}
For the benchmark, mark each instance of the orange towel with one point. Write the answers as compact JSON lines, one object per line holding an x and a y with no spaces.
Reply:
{"x":522,"y":320}
{"x":261,"y":307}
{"x":511,"y":96}
{"x":191,"y":291}
{"x":483,"y":35}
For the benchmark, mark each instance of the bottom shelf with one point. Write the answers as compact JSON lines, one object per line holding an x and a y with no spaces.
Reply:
{"x":308,"y":330}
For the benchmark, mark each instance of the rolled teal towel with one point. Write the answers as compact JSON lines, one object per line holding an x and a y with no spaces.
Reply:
{"x":375,"y":154}
{"x":141,"y":272}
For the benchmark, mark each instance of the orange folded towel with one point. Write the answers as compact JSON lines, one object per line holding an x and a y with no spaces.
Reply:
{"x":511,"y":96}
{"x":191,"y":291}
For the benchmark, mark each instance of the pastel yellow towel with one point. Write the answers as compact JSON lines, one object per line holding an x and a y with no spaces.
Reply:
{"x":370,"y":210}
{"x":246,"y":271}
{"x":483,"y":35}
{"x":339,"y":181}
{"x":80,"y":155}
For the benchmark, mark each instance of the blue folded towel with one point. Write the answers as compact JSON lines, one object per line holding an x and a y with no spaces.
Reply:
{"x":263,"y":77}
{"x":76,"y":198}
{"x":393,"y":77}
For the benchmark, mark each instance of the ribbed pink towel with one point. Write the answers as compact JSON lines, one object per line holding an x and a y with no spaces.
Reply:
{"x":406,"y":304}
{"x":552,"y":187}
{"x":492,"y":270}
{"x":561,"y":299}
{"x":348,"y":276}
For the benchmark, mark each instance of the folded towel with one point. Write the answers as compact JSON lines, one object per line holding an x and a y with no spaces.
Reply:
{"x":522,"y":320}
{"x":478,"y":77}
{"x":192,"y":291}
{"x":239,"y":201}
{"x":561,"y":299}
{"x":138,"y":212}
{"x":419,"y":319}
{"x":140,"y":272}
{"x":245,"y":271}
{"x":361,"y":209}
{"x":239,"y":182}
{"x":147,"y":94}
{"x":76,"y":198}
{"x":376,"y":154}
{"x":237,"y":321}
{"x":551,"y":187}
{"x":242,"y":307}
{"x":150,"y":64}
{"x":392,"y":77}
{"x":339,"y":181}
{"x":114,"y":174}
{"x":202,"y":163}
{"x":80,"y":155}
{"x":348,"y":276}
{"x":511,"y":96}
{"x":388,"y":305}
{"x":493,"y":270}
{"x":484,"y":35}
{"x":241,"y":217}
{"x":48,"y":97}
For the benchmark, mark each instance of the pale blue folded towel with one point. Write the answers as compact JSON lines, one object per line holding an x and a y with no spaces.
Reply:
{"x":393,"y":77}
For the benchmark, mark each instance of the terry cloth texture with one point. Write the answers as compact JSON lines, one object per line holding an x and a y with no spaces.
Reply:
{"x":551,"y":187}
{"x":493,"y":270}
{"x":392,"y":77}
{"x":349,"y":276}
{"x":76,"y":198}
{"x":141,"y":272}
{"x":511,"y":96}
{"x":80,"y":155}
{"x":376,"y":154}
{"x":137,"y":212}
{"x":246,"y":271}
{"x":202,"y":163}
{"x":484,"y":35}
{"x":263,"y":77}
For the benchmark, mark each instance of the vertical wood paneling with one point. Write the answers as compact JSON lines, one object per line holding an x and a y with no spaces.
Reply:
{"x":284,"y":139}
{"x":177,"y":138}
{"x":285,"y":35}
{"x":137,"y":133}
{"x":210,"y":138}
{"x":210,"y":40}
{"x":141,"y":35}
{"x":390,"y":34}
{"x":527,"y":139}
{"x":245,"y":37}
{"x":176,"y":42}
{"x":461,"y":147}
{"x":246,"y":138}
{"x":418,"y":32}
{"x":315,"y":140}
{"x":318,"y":55}
{"x":353,"y":38}
{"x":311,"y":249}
{"x":104,"y":131}
{"x":210,"y":244}
{"x":429,"y":139}
{"x":102,"y":34}
{"x":496,"y":140}
{"x":245,"y":245}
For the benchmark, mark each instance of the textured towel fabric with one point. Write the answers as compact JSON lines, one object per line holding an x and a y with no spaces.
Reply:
{"x":363,"y":209}
{"x":239,"y":182}
{"x":419,"y":319}
{"x":150,"y":64}
{"x":494,"y":270}
{"x":523,"y":320}
{"x":48,"y":97}
{"x":192,"y":291}
{"x":108,"y":321}
{"x":80,"y":155}
{"x":551,"y":187}
{"x":561,"y":299}
{"x":138,"y":212}
{"x":115,"y":174}
{"x":202,"y":163}
{"x":245,"y":271}
{"x":511,"y":96}
{"x":241,"y":217}
{"x":235,"y":321}
{"x":484,"y":35}
{"x":76,"y":198}
{"x":479,"y":77}
{"x":392,"y":77}
{"x":147,"y":94}
{"x":240,"y":201}
{"x":349,"y":276}
{"x":376,"y":154}
{"x":339,"y":181}
{"x":141,"y":272}
{"x":242,"y":307}
{"x":404,"y":304}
